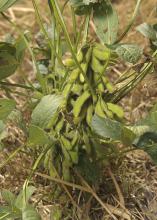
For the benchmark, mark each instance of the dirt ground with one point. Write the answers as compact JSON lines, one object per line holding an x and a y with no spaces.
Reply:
{"x":137,"y":176}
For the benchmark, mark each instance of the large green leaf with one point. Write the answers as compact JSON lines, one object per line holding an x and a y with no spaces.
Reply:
{"x":129,"y":52}
{"x":30,"y":213}
{"x":5,"y":4}
{"x":110,"y":129}
{"x":107,"y":128}
{"x":37,"y":136}
{"x":46,"y":109}
{"x":106,"y":22}
{"x":8,"y":61}
{"x":6,"y":107}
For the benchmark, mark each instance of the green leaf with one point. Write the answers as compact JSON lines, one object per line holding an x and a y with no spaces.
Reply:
{"x":107,"y":128}
{"x":5,"y":4}
{"x":7,"y":47}
{"x":28,"y":193}
{"x":148,"y":143}
{"x":147,"y":30}
{"x":128,"y":136}
{"x":110,"y":129}
{"x":82,"y":7}
{"x":6,"y":107}
{"x":37,"y":136}
{"x":46,"y":109}
{"x":106,"y":22}
{"x":146,"y":132}
{"x":8,"y":196}
{"x":89,"y":169}
{"x":129,"y":52}
{"x":30,"y":213}
{"x":20,"y":46}
{"x":150,"y":121}
{"x":8,"y":61}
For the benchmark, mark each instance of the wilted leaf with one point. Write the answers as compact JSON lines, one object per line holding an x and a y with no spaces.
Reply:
{"x":129,"y":52}
{"x":45,"y":110}
{"x":106,"y":22}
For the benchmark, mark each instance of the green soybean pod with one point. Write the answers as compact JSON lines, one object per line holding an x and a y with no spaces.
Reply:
{"x":80,"y":102}
{"x":74,"y":75}
{"x":102,"y":55}
{"x":89,"y":115}
{"x":66,"y":143}
{"x":96,"y":65}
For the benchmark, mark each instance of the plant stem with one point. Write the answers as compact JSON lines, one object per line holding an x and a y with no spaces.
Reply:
{"x":37,"y":162}
{"x":74,"y":27}
{"x":16,"y":85}
{"x":62,"y":23}
{"x":130,"y":23}
{"x":119,"y":94}
{"x":46,"y":34}
{"x":86,"y":29}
